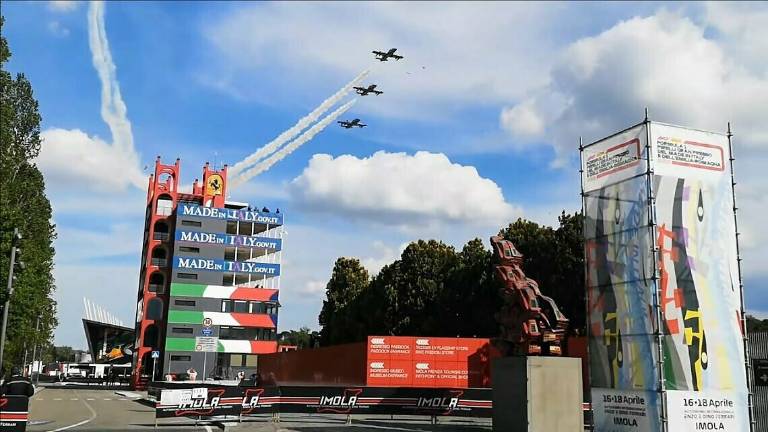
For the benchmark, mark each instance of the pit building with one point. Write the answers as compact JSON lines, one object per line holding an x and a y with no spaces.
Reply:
{"x":209,"y":280}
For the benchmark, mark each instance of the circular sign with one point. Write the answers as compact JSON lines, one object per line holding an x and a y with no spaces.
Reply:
{"x":199,"y":348}
{"x":207,"y":322}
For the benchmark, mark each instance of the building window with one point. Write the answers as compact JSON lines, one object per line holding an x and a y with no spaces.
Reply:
{"x":181,"y":358}
{"x":229,"y":254}
{"x":164,"y":205}
{"x":251,"y":360}
{"x":157,"y":282}
{"x":186,"y":275}
{"x":182,"y":330}
{"x":246,"y":333}
{"x":189,"y":249}
{"x":241,"y":306}
{"x":226,"y":305}
{"x":184,"y":302}
{"x":155,"y":309}
{"x":241,"y":279}
{"x":191,"y":223}
{"x":228,"y":279}
{"x":232,"y":227}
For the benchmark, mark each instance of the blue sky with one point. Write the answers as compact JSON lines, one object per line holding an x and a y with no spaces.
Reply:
{"x":495,"y":95}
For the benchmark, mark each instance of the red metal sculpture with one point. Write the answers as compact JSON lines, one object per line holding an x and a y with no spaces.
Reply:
{"x":530,"y":322}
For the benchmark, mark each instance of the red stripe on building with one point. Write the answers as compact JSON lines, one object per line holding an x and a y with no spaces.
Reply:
{"x":260,"y":294}
{"x":263,"y":347}
{"x":254,"y":320}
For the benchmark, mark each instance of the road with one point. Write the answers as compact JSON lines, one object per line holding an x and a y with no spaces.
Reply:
{"x":60,"y":409}
{"x":57,"y":409}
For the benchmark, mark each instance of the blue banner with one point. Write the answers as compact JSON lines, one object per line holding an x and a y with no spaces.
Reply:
{"x":229,"y":240}
{"x":219,"y":265}
{"x":230,"y":214}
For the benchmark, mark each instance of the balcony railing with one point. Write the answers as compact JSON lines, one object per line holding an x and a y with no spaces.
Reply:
{"x":160,"y":262}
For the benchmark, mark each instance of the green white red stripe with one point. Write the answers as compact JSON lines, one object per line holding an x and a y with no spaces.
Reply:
{"x":223,"y":292}
{"x":224,"y":346}
{"x":221,"y":318}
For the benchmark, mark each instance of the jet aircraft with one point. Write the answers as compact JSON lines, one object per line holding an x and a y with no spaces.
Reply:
{"x":364,"y":91}
{"x":350,"y":124}
{"x":385,"y":56}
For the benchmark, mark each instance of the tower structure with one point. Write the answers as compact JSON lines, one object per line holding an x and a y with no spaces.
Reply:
{"x":209,"y":280}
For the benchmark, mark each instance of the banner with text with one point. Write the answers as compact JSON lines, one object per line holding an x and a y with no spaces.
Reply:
{"x":271,"y":244}
{"x":243,"y":215}
{"x":219,"y":265}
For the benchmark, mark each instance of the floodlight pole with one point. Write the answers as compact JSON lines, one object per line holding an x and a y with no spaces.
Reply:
{"x":10,"y":293}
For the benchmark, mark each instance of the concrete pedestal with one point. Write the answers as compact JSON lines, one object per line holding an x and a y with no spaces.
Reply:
{"x":537,"y":394}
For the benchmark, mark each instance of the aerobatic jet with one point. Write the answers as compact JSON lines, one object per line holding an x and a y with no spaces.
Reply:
{"x":364,"y":91}
{"x":384,"y":56}
{"x":350,"y":124}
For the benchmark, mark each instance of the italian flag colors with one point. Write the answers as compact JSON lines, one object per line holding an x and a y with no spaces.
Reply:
{"x":224,"y":346}
{"x":223,"y":292}
{"x":222,"y":318}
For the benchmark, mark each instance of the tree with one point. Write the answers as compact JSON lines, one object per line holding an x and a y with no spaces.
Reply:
{"x":756,"y":325}
{"x":24,"y":205}
{"x":337,"y":318}
{"x":303,"y":338}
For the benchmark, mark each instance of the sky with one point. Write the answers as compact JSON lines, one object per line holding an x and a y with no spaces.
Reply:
{"x":478,"y":125}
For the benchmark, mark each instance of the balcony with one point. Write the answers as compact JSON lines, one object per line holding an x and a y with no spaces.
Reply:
{"x":160,"y":262}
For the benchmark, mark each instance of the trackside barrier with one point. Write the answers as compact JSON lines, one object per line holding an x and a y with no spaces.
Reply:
{"x":210,"y":401}
{"x":14,"y":413}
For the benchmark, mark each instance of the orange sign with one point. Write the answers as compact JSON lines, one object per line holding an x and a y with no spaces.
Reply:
{"x":214,"y":185}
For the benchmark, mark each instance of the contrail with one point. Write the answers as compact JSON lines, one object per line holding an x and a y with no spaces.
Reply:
{"x":113,"y":109}
{"x":290,"y":147}
{"x":297,"y":128}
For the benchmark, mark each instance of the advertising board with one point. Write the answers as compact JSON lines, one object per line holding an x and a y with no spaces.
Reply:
{"x":198,"y":237}
{"x":14,"y":413}
{"x":194,"y":210}
{"x":667,"y":264}
{"x":220,"y":265}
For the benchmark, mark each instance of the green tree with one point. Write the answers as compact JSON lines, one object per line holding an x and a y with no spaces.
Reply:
{"x":338,"y":318}
{"x":555,"y":259}
{"x":23,"y":205}
{"x":303,"y":338}
{"x":756,"y":325}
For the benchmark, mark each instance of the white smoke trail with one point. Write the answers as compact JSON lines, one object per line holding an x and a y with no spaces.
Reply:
{"x":290,"y":147}
{"x":297,"y":128}
{"x":113,"y":109}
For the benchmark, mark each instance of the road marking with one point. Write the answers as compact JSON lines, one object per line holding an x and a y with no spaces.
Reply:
{"x":73,"y":399}
{"x":208,"y":429}
{"x":90,"y":399}
{"x":106,"y":399}
{"x":56,"y":398}
{"x":37,"y":399}
{"x":93,"y":416}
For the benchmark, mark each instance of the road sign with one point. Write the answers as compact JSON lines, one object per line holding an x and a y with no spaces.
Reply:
{"x":760,"y":367}
{"x":207,"y":322}
{"x":155,"y":354}
{"x":206,"y":331}
{"x":206,"y":344}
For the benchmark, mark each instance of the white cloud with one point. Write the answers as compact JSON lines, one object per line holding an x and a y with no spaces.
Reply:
{"x":57,"y":29}
{"x":63,"y":5}
{"x":663,"y":62}
{"x":385,"y":254}
{"x":522,"y":119}
{"x":454,"y":54}
{"x":401,"y":189}
{"x":71,"y":158}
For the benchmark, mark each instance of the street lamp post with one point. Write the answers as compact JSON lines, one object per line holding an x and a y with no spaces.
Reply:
{"x":11,"y":278}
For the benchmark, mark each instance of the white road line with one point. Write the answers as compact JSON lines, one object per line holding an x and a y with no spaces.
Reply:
{"x":90,"y":399}
{"x":37,"y":399}
{"x":106,"y":399}
{"x":93,"y":416}
{"x":73,"y":399}
{"x":208,"y":429}
{"x":56,"y":398}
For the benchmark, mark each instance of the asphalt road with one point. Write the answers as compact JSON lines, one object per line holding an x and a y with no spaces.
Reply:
{"x":60,"y":409}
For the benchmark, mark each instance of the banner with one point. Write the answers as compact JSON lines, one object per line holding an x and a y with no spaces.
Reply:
{"x":14,"y":413}
{"x":696,"y":290}
{"x":271,"y":244}
{"x":274,"y":219}
{"x":230,"y":400}
{"x":220,"y":265}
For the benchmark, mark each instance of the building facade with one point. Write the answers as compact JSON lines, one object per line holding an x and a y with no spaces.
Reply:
{"x":209,"y":282}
